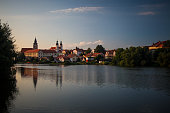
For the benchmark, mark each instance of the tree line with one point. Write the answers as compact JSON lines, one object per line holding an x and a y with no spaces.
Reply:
{"x":142,"y":56}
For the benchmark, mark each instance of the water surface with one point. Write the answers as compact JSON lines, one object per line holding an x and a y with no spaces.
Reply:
{"x":91,"y":89}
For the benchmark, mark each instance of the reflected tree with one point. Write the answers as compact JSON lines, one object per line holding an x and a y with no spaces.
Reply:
{"x":8,"y":92}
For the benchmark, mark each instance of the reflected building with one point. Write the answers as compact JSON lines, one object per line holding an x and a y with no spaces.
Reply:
{"x":59,"y":78}
{"x":32,"y":72}
{"x":42,"y":74}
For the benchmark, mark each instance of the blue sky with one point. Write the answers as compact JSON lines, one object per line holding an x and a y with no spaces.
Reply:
{"x":86,"y":23}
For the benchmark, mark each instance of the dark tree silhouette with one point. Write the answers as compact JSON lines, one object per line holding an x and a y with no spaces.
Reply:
{"x":100,"y":49}
{"x":7,"y":57}
{"x":7,"y":51}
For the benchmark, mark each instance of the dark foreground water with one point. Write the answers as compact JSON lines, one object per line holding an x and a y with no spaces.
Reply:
{"x":91,"y":89}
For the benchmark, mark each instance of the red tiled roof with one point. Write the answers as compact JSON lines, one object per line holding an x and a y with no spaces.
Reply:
{"x":60,"y":56}
{"x":48,"y":51}
{"x":96,"y":54}
{"x":71,"y":55}
{"x":25,"y":49}
{"x":158,"y":44}
{"x":32,"y":51}
{"x":88,"y":55}
{"x":64,"y":57}
{"x":54,"y":48}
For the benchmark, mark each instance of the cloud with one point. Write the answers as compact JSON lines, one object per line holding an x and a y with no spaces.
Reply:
{"x":85,"y":44}
{"x":77,"y":10}
{"x":147,"y":13}
{"x":152,"y":6}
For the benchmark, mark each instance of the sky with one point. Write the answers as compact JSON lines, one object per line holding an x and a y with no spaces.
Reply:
{"x":87,"y":23}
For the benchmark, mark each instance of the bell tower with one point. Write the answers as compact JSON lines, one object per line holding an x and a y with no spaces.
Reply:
{"x":61,"y":46}
{"x":35,"y":44}
{"x":57,"y":46}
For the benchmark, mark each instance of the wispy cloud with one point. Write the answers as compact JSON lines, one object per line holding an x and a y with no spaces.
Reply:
{"x":147,"y":13}
{"x":77,"y":10}
{"x":85,"y":44}
{"x":150,"y":9}
{"x":152,"y":6}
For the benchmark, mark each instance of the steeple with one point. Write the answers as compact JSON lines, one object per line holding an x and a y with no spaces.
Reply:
{"x":57,"y":46}
{"x":35,"y":41}
{"x":61,"y":45}
{"x":35,"y":44}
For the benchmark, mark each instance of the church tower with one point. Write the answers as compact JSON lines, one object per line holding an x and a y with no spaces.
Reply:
{"x":35,"y":44}
{"x":61,"y":46}
{"x":57,"y":46}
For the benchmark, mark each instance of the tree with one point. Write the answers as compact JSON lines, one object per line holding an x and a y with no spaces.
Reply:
{"x":133,"y":56}
{"x":20,"y":57}
{"x":167,"y":43}
{"x":99,"y":57}
{"x":88,"y":51}
{"x":51,"y":58}
{"x":100,"y":49}
{"x":7,"y":51}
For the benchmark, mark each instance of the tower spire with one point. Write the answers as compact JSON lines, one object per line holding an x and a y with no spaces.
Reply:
{"x":35,"y":44}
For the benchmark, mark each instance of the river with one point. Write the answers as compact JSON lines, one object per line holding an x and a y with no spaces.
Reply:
{"x":91,"y":89}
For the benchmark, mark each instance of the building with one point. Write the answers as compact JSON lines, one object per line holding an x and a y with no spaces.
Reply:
{"x":32,"y":53}
{"x":35,"y":46}
{"x":38,"y":53}
{"x":78,"y":51}
{"x":58,"y":48}
{"x":73,"y":57}
{"x":63,"y":58}
{"x":110,"y":54}
{"x":47,"y":53}
{"x":157,"y":45}
{"x":91,"y":56}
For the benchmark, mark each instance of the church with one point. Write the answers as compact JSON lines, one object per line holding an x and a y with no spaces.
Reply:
{"x":58,"y":48}
{"x":43,"y":53}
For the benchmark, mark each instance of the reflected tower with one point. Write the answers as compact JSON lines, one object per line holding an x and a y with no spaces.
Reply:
{"x":59,"y":79}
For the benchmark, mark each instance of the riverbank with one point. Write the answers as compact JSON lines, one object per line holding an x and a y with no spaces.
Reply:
{"x":85,"y":63}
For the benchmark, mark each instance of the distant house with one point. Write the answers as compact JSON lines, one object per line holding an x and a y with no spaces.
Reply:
{"x":66,"y":52}
{"x":78,"y":51}
{"x":25,"y":49}
{"x":63,"y":58}
{"x":157,"y":45}
{"x":91,"y":56}
{"x":73,"y":57}
{"x":47,"y":53}
{"x":110,"y":54}
{"x":38,"y":53}
{"x":32,"y":53}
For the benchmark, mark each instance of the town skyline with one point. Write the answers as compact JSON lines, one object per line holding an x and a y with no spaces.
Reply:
{"x":84,"y":23}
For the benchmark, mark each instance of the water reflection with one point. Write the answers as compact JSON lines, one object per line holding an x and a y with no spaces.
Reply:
{"x":59,"y":79}
{"x":92,"y":89}
{"x":8,"y":92}
{"x":43,"y":74}
{"x":136,"y":78}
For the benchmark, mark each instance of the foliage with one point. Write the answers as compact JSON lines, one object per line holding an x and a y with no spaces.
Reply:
{"x":7,"y":52}
{"x":78,"y":60}
{"x":88,"y":51}
{"x":162,"y":57}
{"x":133,"y":56}
{"x":20,"y":57}
{"x":51,"y":58}
{"x":99,"y":57}
{"x":167,"y":43}
{"x":81,"y":54}
{"x":100,"y":49}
